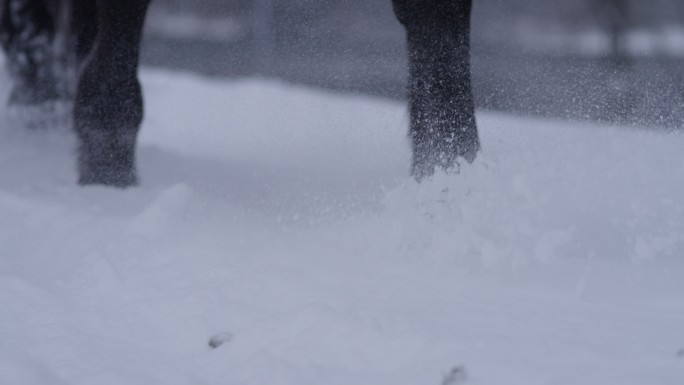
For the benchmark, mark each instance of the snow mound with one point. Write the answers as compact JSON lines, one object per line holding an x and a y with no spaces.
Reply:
{"x":17,"y":369}
{"x":276,"y":238}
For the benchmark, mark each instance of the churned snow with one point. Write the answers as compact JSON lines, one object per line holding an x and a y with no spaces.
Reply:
{"x":279,"y":225}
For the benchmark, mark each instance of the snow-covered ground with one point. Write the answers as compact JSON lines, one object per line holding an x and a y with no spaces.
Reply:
{"x":186,"y":26}
{"x":666,"y":41}
{"x":281,"y":222}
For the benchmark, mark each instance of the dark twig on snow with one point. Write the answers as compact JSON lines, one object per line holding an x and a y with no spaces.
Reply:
{"x":456,"y":376}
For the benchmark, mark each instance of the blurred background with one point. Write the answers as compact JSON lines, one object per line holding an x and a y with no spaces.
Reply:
{"x":613,"y":61}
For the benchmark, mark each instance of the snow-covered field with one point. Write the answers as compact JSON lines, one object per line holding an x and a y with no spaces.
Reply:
{"x":281,"y":222}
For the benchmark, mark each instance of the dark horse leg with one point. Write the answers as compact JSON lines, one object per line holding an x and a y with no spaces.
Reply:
{"x":77,"y":30}
{"x":82,"y":29}
{"x":27,"y":32}
{"x":108,"y":108}
{"x":440,"y":94}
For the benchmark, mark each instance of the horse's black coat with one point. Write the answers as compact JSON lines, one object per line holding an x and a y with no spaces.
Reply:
{"x":103,"y":42}
{"x":108,"y":108}
{"x":441,"y":102}
{"x":27,"y":30}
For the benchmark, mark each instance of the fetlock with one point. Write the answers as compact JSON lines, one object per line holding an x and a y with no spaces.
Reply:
{"x":107,"y":158}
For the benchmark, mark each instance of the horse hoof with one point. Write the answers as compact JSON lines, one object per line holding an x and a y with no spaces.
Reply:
{"x":107,"y":159}
{"x":112,"y":178}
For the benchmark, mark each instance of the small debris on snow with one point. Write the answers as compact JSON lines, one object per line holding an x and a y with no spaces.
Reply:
{"x":456,"y":376}
{"x":219,"y":339}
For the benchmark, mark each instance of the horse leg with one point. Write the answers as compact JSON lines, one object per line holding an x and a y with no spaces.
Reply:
{"x":76,"y":30}
{"x":83,"y":29}
{"x":27,"y":31}
{"x":441,"y":105}
{"x":108,"y":108}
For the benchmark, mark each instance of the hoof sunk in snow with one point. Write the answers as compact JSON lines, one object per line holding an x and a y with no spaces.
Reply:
{"x":108,"y":159}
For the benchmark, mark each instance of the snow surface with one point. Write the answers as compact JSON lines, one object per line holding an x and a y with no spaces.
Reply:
{"x":668,"y":40}
{"x":280,"y":224}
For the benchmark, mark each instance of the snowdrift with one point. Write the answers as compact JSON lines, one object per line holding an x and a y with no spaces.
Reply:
{"x":281,"y":222}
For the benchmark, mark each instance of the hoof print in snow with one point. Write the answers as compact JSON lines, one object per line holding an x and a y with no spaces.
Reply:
{"x":680,"y":353}
{"x":219,"y":339}
{"x":456,"y":376}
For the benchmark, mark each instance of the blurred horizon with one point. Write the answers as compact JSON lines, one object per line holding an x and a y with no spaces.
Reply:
{"x":614,"y":61}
